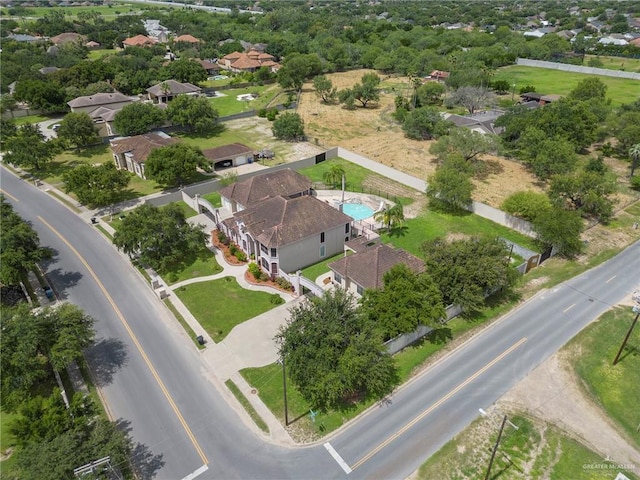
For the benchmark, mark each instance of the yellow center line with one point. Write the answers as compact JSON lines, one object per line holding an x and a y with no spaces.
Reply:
{"x":438,"y":403}
{"x":9,"y":195}
{"x":136,"y":342}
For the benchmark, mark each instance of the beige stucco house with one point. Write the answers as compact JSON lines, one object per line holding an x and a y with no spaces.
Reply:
{"x":130,"y":153}
{"x":274,"y":217}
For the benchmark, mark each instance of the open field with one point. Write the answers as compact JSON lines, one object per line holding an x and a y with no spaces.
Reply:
{"x":229,"y":104}
{"x":616,"y":63}
{"x":372,"y":132}
{"x":549,"y":81}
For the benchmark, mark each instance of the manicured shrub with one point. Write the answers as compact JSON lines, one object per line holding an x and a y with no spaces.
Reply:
{"x":262,"y":113}
{"x":233,"y":249}
{"x":241,"y":256}
{"x":276,"y":299}
{"x":255,"y":270}
{"x":283,"y":283}
{"x":527,"y":205}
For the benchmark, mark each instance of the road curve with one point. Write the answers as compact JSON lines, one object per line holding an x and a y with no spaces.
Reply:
{"x":156,"y":384}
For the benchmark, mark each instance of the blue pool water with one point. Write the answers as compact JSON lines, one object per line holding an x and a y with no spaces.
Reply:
{"x":357,"y":211}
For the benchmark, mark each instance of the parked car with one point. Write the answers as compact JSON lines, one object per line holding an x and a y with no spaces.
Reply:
{"x":55,"y":127}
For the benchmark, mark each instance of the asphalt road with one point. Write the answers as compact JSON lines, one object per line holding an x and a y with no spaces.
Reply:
{"x":156,"y":385}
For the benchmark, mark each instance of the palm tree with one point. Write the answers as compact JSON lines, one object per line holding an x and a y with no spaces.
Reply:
{"x":390,"y":216}
{"x":334,"y":175}
{"x":634,"y":155}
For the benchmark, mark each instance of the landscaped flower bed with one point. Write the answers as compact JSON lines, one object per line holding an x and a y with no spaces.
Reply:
{"x":233,"y":255}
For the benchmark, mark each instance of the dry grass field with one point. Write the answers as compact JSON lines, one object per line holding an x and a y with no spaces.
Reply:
{"x":372,"y":132}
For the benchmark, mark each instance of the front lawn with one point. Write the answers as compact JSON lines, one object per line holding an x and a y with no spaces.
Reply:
{"x":194,"y":264}
{"x":612,"y":387}
{"x":213,"y":198}
{"x":31,"y":119}
{"x":220,"y":305}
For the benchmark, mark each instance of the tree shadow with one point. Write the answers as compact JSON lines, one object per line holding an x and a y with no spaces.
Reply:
{"x":107,"y":356}
{"x":91,"y":151}
{"x":398,"y":231}
{"x":62,"y":281}
{"x":216,"y":130}
{"x":484,"y":168}
{"x":145,"y":464}
{"x":446,"y":208}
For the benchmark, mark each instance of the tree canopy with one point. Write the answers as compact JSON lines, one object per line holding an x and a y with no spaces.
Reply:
{"x":173,"y":164}
{"x":138,"y":118}
{"x":425,"y":123}
{"x":78,"y":129}
{"x":96,"y":186}
{"x":159,"y":237}
{"x":296,"y":68}
{"x":289,"y":126}
{"x":28,"y":147}
{"x":450,"y":186}
{"x":407,"y":300}
{"x":467,"y":143}
{"x":19,"y":245}
{"x":195,"y":113}
{"x":333,"y":354}
{"x":468,"y":270}
{"x":561,"y":229}
{"x":184,"y":70}
{"x":324,"y":89}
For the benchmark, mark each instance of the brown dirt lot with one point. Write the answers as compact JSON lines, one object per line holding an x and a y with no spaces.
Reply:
{"x":373,"y":133}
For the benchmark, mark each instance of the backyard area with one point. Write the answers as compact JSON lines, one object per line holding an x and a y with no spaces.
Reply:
{"x":228,"y":103}
{"x":219,"y":305}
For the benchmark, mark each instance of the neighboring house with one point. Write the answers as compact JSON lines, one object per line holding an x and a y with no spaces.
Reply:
{"x":164,"y":92}
{"x":285,"y":183}
{"x":69,"y":37}
{"x":90,"y":103}
{"x":483,"y":122}
{"x":438,"y":76}
{"x":139,"y":41}
{"x":288,"y":234}
{"x":211,"y":67}
{"x":92,"y":44}
{"x":156,"y":31}
{"x":130,"y":153}
{"x":365,"y":268}
{"x":610,"y":40}
{"x":186,"y":39}
{"x":230,"y":155}
{"x":249,"y":61}
{"x":540,"y":98}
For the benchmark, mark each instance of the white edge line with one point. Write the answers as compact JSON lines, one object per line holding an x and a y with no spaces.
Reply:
{"x":336,"y":456}
{"x":568,"y":308}
{"x":610,"y":279}
{"x":196,"y":473}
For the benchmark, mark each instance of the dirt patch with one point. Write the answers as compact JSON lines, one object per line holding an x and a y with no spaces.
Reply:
{"x":551,"y":392}
{"x":373,"y":133}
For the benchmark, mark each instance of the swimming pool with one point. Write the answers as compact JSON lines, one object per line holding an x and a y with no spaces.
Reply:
{"x":357,"y":211}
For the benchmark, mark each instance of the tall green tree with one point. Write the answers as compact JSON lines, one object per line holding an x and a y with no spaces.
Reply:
{"x":173,"y":164}
{"x":96,"y":186}
{"x":184,"y":70}
{"x":78,"y":129}
{"x":430,"y":93}
{"x":34,"y":343}
{"x":159,"y":237}
{"x":138,"y":118}
{"x":634,"y":156}
{"x":450,"y":186}
{"x":324,"y":89}
{"x":8,"y":129}
{"x":334,"y":175}
{"x":288,"y":126}
{"x":29,"y":148}
{"x":472,"y":98}
{"x":466,"y":271}
{"x":425,"y":123}
{"x":561,"y":229}
{"x":195,"y":113}
{"x":408,"y":299}
{"x":333,"y":353}
{"x":296,"y":68}
{"x":367,"y":90}
{"x":20,"y":248}
{"x":465,"y":142}
{"x":391,"y":216}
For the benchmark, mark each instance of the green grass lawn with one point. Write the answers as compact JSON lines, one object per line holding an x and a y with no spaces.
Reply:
{"x":314,"y":271}
{"x":213,"y":198}
{"x":224,"y":137}
{"x":355,"y":176}
{"x":31,"y":119}
{"x":549,"y":81}
{"x":101,"y":52}
{"x":611,"y":386}
{"x":615,"y":63}
{"x":536,"y":450}
{"x":220,"y":305}
{"x":433,"y":224}
{"x":229,"y":104}
{"x":194,"y":264}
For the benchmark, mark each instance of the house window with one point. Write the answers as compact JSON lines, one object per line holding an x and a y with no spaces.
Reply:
{"x":322,"y":238}
{"x":274,"y":253}
{"x":264,"y":263}
{"x":337,"y":278}
{"x":346,"y":239}
{"x":264,"y":249}
{"x":322,"y":251}
{"x":346,"y":228}
{"x":359,"y":289}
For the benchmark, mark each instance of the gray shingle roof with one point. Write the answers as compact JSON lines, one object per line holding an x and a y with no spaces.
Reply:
{"x":174,"y":88}
{"x":99,"y":99}
{"x":226,"y":151}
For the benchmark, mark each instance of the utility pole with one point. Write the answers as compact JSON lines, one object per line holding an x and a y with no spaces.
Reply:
{"x":636,"y":310}
{"x":284,"y":388}
{"x":495,"y":447}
